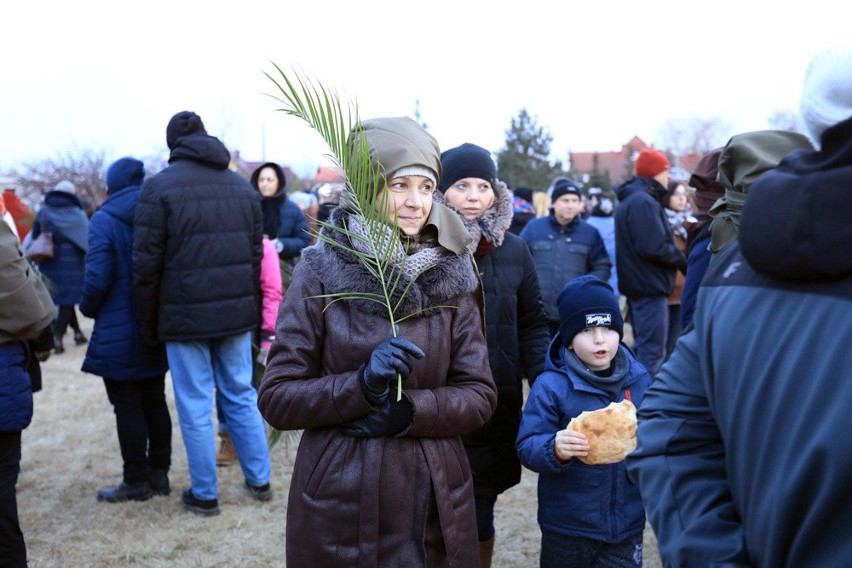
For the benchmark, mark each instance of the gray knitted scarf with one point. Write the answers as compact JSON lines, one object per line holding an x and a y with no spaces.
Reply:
{"x":379,"y":235}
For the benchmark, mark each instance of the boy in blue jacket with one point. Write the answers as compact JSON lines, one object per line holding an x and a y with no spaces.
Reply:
{"x":589,"y":515}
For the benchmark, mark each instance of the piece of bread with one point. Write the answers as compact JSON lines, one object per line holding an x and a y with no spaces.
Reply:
{"x":611,"y":432}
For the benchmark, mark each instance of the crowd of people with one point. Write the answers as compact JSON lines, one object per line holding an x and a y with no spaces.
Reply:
{"x":735,"y":285}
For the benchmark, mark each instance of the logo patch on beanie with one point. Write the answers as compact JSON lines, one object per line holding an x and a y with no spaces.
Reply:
{"x":598,"y":320}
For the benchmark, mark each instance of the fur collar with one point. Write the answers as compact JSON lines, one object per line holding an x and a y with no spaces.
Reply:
{"x":340,"y":271}
{"x":493,"y":223}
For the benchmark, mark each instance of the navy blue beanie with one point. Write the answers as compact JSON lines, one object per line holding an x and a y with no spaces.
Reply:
{"x":183,"y":124}
{"x":466,"y":161}
{"x":587,"y":301}
{"x":124,"y":172}
{"x":562,"y":186}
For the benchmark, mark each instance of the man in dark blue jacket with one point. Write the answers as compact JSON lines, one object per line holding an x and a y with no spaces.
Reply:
{"x":197,"y":246}
{"x":564,"y":246}
{"x":646,"y":256}
{"x":744,"y":449}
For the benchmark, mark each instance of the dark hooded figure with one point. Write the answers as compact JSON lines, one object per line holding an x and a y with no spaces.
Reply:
{"x":64,"y":216}
{"x":283,"y":222}
{"x":133,"y":371}
{"x":197,"y":250}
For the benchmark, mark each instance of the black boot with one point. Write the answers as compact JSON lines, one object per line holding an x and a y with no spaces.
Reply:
{"x":160,"y":482}
{"x":126,"y":492}
{"x":79,"y":338}
{"x":57,"y":344}
{"x":204,"y":507}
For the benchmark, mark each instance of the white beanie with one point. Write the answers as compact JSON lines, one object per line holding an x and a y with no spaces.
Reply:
{"x":827,"y":91}
{"x":415,"y":171}
{"x":65,"y":186}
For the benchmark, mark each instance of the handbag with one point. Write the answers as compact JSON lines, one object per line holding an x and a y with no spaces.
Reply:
{"x":41,"y":248}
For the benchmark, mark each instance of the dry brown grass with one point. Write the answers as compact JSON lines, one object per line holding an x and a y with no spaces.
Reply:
{"x":71,"y":450}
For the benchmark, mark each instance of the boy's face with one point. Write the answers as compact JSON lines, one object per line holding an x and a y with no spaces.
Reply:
{"x":596,"y":347}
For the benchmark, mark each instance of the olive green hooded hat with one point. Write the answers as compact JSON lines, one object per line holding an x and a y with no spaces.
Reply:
{"x":400,"y":143}
{"x":745,"y":158}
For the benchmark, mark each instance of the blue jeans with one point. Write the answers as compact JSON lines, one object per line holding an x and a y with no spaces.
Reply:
{"x":197,"y":367}
{"x":650,"y":318}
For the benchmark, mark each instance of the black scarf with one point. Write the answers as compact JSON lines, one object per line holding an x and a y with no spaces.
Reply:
{"x":271,"y":207}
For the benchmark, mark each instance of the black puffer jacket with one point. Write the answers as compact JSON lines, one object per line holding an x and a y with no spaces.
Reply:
{"x":517,"y":334}
{"x":646,"y":256}
{"x":197,"y":247}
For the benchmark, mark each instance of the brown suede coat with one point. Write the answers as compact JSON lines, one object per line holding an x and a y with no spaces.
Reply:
{"x":387,"y":501}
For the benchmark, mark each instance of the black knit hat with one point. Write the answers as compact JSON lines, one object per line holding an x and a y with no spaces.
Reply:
{"x":466,"y":161}
{"x":183,"y":124}
{"x":563,"y":186}
{"x":587,"y":301}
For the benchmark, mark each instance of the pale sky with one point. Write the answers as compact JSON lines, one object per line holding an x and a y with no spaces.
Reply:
{"x":108,"y":75}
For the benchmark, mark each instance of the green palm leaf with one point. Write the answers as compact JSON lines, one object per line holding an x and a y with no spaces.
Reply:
{"x":321,"y":108}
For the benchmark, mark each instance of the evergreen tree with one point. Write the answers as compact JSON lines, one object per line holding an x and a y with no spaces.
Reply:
{"x":525,"y":160}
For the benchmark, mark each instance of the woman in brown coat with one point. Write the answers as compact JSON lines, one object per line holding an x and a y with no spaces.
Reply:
{"x":381,"y":482}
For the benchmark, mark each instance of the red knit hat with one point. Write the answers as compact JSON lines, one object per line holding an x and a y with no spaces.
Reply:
{"x":650,"y":163}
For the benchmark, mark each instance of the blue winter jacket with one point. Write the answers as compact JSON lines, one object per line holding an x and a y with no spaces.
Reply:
{"x":744,"y":453}
{"x":697,"y":262}
{"x":606,"y":227}
{"x":63,"y":215}
{"x":592,"y":501}
{"x":293,"y":234}
{"x":116,"y":350}
{"x":563,"y":252}
{"x":16,"y":394}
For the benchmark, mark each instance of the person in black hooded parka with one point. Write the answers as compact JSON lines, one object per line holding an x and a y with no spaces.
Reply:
{"x":283,"y":221}
{"x":197,"y":249}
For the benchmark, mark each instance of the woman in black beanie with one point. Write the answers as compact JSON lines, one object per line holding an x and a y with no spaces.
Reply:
{"x":515,"y":324}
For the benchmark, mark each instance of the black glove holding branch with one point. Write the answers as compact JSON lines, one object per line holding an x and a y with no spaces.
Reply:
{"x":390,"y":357}
{"x":392,"y":418}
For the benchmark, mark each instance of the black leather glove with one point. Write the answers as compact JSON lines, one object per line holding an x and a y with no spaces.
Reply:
{"x":389,"y":358}
{"x":392,"y":418}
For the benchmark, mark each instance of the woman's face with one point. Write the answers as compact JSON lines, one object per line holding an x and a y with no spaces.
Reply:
{"x":409,"y":200}
{"x":677,"y":200}
{"x":471,"y":196}
{"x":267,"y":182}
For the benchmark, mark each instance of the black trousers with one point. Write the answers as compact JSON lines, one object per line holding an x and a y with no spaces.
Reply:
{"x":143,"y":424}
{"x":13,"y":550}
{"x":66,"y":316}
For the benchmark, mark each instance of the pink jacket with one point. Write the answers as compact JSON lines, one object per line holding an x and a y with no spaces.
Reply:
{"x":270,"y":286}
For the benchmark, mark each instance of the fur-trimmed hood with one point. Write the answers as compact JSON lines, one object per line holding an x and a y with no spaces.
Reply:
{"x":340,"y":271}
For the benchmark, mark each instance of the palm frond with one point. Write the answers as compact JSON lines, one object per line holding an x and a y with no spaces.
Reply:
{"x":337,"y":123}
